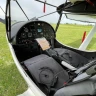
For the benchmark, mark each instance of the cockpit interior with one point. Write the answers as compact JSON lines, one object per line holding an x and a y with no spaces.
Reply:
{"x":45,"y":71}
{"x":49,"y":67}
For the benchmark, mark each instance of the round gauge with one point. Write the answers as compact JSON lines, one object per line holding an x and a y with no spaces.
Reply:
{"x":23,"y":35}
{"x":26,"y":29}
{"x":30,"y":34}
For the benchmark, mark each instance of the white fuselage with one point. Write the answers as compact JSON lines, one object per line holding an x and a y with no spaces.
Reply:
{"x":33,"y":90}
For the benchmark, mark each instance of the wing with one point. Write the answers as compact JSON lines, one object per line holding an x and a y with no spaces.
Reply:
{"x":73,"y":1}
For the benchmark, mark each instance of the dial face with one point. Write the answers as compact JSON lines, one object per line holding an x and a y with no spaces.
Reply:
{"x":39,"y":30}
{"x":29,"y":34}
{"x":23,"y":35}
{"x":34,"y":30}
{"x":26,"y":29}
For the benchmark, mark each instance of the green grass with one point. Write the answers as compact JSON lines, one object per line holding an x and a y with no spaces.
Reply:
{"x":72,"y":35}
{"x":11,"y":82}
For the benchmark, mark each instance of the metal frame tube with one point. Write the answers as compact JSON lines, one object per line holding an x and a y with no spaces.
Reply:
{"x":86,"y":42}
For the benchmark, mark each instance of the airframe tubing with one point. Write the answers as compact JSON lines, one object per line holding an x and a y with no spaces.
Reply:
{"x":87,"y":40}
{"x":68,"y":66}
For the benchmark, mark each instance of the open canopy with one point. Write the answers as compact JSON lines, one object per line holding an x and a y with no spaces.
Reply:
{"x":47,"y":10}
{"x":81,"y":10}
{"x":35,"y":9}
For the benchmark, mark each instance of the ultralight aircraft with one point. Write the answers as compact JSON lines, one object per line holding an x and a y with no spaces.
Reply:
{"x":49,"y":67}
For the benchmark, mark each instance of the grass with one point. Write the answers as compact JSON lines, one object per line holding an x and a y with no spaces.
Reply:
{"x":11,"y":82}
{"x":72,"y":36}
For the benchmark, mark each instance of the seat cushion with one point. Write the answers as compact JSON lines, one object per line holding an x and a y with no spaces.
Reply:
{"x":84,"y":88}
{"x":72,"y":57}
{"x":46,"y":70}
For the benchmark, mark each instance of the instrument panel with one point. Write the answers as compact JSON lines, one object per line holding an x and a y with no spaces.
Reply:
{"x":35,"y":29}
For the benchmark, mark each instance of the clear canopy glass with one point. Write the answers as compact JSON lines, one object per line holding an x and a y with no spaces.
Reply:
{"x":34,"y":9}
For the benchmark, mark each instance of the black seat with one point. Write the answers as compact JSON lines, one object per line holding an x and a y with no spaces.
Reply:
{"x":71,"y":57}
{"x":45,"y":70}
{"x":84,"y":88}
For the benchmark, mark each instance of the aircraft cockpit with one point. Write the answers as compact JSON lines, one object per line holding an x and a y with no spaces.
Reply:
{"x":47,"y":65}
{"x":33,"y":30}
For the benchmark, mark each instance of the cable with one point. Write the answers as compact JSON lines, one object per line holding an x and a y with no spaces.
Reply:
{"x":47,"y":14}
{"x":2,"y":9}
{"x":22,"y":9}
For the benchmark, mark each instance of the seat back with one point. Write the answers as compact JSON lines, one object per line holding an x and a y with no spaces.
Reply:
{"x":47,"y":71}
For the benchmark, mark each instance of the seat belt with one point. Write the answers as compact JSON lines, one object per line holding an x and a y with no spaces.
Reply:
{"x":44,"y":44}
{"x":84,"y":74}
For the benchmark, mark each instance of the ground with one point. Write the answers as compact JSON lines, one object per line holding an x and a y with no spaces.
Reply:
{"x":11,"y":82}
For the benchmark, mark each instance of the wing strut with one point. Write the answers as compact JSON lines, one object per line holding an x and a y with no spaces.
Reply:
{"x":2,"y":20}
{"x":2,"y":9}
{"x":22,"y":9}
{"x":87,"y":40}
{"x":58,"y":22}
{"x":47,"y":14}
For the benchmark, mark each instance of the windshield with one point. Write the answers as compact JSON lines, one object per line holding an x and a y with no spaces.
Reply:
{"x":2,"y":14}
{"x":34,"y":9}
{"x":24,"y":10}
